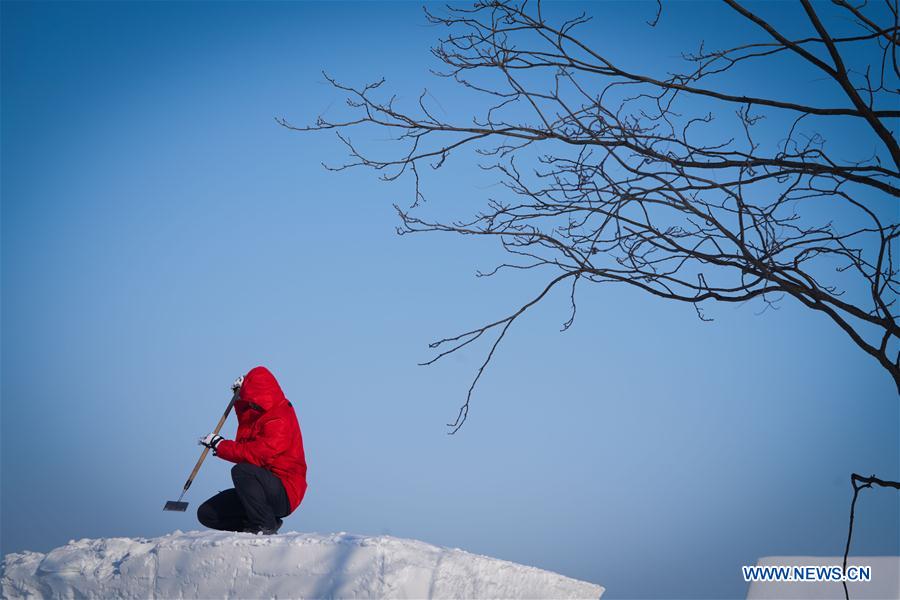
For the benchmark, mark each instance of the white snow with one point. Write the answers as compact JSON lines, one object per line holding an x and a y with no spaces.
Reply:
{"x":885,"y":583}
{"x":218,"y":564}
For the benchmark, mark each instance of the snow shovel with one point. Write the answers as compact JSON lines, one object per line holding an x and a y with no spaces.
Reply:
{"x":178,"y":504}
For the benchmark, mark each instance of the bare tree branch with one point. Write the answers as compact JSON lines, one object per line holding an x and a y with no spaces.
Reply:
{"x":666,"y":183}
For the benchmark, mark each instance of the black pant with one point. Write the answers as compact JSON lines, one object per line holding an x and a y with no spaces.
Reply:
{"x":257,"y":498}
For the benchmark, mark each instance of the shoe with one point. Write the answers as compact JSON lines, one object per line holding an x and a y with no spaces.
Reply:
{"x":265,"y":530}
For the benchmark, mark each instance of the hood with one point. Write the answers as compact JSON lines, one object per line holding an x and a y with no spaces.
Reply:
{"x":261,"y":388}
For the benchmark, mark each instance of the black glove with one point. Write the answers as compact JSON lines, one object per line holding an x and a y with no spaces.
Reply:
{"x":211,"y":441}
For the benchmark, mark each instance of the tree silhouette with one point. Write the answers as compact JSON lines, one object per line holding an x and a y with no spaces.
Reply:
{"x":670,"y":183}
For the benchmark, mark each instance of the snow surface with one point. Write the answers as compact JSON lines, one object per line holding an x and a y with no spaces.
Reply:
{"x":885,"y":583}
{"x":219,"y":564}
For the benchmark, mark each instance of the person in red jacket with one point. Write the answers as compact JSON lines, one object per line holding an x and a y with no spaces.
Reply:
{"x":270,"y":474}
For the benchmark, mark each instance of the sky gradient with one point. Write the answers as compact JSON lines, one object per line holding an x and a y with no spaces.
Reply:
{"x":162,"y":234}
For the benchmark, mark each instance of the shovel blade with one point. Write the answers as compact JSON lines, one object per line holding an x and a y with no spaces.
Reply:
{"x":173,"y":505}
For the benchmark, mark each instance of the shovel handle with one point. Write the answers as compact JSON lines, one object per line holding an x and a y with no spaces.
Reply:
{"x":216,"y":432}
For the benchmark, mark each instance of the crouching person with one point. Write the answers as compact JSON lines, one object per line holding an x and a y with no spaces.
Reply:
{"x":270,"y":472}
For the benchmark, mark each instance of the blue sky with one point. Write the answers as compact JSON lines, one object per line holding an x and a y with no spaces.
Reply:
{"x":161,"y":234}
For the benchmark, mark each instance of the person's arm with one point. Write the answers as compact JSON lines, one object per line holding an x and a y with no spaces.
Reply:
{"x":272,"y":440}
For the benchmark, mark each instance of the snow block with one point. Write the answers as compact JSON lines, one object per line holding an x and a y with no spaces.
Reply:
{"x":216,"y":564}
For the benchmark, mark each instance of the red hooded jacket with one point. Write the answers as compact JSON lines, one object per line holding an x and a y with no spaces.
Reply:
{"x":268,"y":433}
